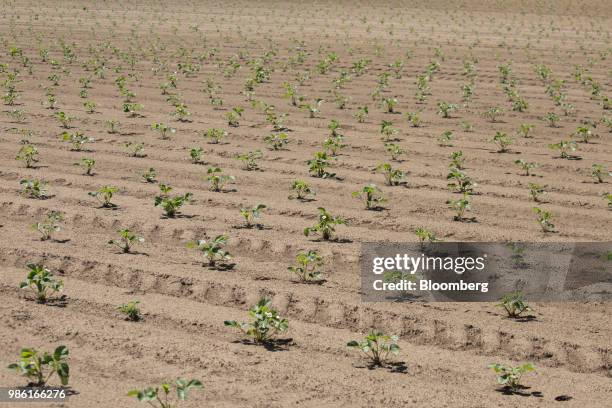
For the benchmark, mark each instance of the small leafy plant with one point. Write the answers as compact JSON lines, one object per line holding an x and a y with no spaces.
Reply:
{"x":535,"y":190}
{"x":105,"y":195}
{"x":126,"y":241}
{"x":250,"y":214}
{"x":266,"y":324}
{"x":325,"y":225}
{"x":88,"y":164}
{"x":39,"y":367}
{"x":171,"y":204}
{"x":215,"y":135}
{"x":249,"y":159}
{"x":28,"y":154}
{"x":564,"y":147}
{"x":77,"y":140}
{"x":318,"y":165}
{"x":393,"y":177}
{"x":217,"y":179}
{"x":514,"y":304}
{"x":41,"y":281}
{"x":525,"y":166}
{"x":307,"y":266}
{"x":302,"y":190}
{"x":213,"y":249}
{"x":511,"y":376}
{"x":131,"y":310}
{"x":157,"y":400}
{"x":149,"y":175}
{"x":460,"y":205}
{"x":544,"y":219}
{"x":502,"y":140}
{"x":49,"y":225}
{"x":33,"y":188}
{"x":371,"y":195}
{"x":598,"y":172}
{"x":376,"y":346}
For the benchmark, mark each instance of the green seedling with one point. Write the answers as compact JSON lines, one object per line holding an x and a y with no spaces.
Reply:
{"x":584,"y":133}
{"x":552,"y":119}
{"x":126,"y":240}
{"x":371,"y":195}
{"x":215,"y":135}
{"x":134,"y":149}
{"x":414,"y":118}
{"x":249,"y":159}
{"x":149,"y":175}
{"x":250,"y":214}
{"x":318,"y":166}
{"x":514,"y":304}
{"x":564,"y":148}
{"x":132,"y":109}
{"x":216,"y":178}
{"x":393,"y":177}
{"x":425,"y":235}
{"x":77,"y":140}
{"x":445,"y":138}
{"x":395,"y":151}
{"x":457,"y":160}
{"x":213,"y":249}
{"x":164,"y":130}
{"x":525,"y":166}
{"x":460,"y":206}
{"x":63,"y":119}
{"x":389,"y":104}
{"x":377,"y":346}
{"x":544,"y":219}
{"x":445,"y":109}
{"x":90,"y":107}
{"x":156,"y":399}
{"x":325,"y":225}
{"x":233,"y":117}
{"x":387,"y":130}
{"x":598,"y":172}
{"x":460,"y":181}
{"x":171,"y":205}
{"x":511,"y":376}
{"x":105,"y":195}
{"x":535,"y":190}
{"x":49,"y":225}
{"x":39,"y":367}
{"x":308,"y":266}
{"x":362,"y":114}
{"x":493,"y":113}
{"x":332,"y":144}
{"x":88,"y":164}
{"x":314,"y":108}
{"x":131,"y":310}
{"x":502,"y":140}
{"x":302,"y":190}
{"x":33,"y":188}
{"x":113,"y":126}
{"x":41,"y":281}
{"x":28,"y":154}
{"x":266,"y":323}
{"x":277,"y":141}
{"x":467,"y":126}
{"x":525,"y":130}
{"x":195,"y":154}
{"x":608,"y":197}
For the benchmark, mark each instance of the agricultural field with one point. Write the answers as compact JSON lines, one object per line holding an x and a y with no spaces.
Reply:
{"x":166,"y":167}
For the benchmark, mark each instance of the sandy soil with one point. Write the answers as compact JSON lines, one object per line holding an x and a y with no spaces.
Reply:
{"x":446,"y":347}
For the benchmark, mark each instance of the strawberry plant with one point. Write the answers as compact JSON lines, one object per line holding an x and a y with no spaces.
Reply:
{"x":392,"y":176}
{"x":394,"y":150}
{"x":77,"y":140}
{"x":564,"y":148}
{"x":213,"y":249}
{"x":131,"y":310}
{"x":49,"y":225}
{"x":308,"y":266}
{"x":164,"y":130}
{"x":445,"y":109}
{"x":126,"y":240}
{"x":535,"y":190}
{"x":249,"y":159}
{"x":511,"y":376}
{"x":266,"y":323}
{"x":544,"y":219}
{"x":41,"y":281}
{"x":156,"y":399}
{"x":33,"y":188}
{"x":171,"y":204}
{"x":105,"y":195}
{"x":216,"y":178}
{"x":277,"y":141}
{"x":514,"y":304}
{"x":525,"y":166}
{"x":371,"y":195}
{"x":318,"y":166}
{"x":215,"y":135}
{"x":195,"y":154}
{"x":598,"y":173}
{"x":88,"y":164}
{"x":250,"y":214}
{"x":460,"y":206}
{"x":502,"y":140}
{"x":302,"y":190}
{"x":28,"y":154}
{"x":376,"y":346}
{"x":39,"y":367}
{"x":325,"y":225}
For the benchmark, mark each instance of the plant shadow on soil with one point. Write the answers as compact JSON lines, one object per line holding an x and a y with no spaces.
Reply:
{"x":521,"y":390}
{"x":270,"y":345}
{"x":397,"y":367}
{"x":221,"y":267}
{"x":60,"y":302}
